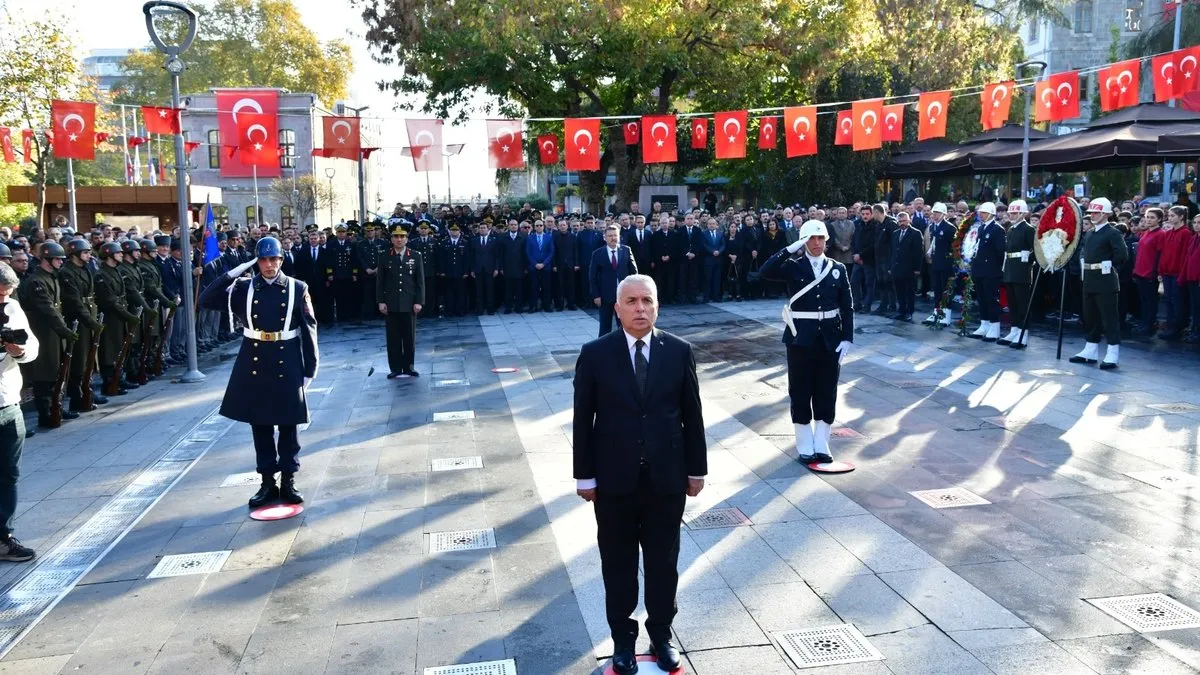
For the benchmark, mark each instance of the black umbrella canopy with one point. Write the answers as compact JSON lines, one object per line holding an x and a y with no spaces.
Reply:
{"x":905,"y":158}
{"x":959,"y":158}
{"x":1181,"y":144}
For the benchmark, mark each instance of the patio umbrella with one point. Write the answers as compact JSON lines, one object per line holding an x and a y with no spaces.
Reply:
{"x":958,"y":159}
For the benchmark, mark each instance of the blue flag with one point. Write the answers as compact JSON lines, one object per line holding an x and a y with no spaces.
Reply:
{"x":211,"y":252}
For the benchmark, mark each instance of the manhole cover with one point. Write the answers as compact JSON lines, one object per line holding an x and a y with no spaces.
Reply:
{"x":949,"y":498}
{"x":506,"y":667}
{"x":451,"y":383}
{"x":1149,"y":612}
{"x":715,"y":518}
{"x":189,"y":563}
{"x":234,"y":479}
{"x":828,"y":646}
{"x":1174,"y":407}
{"x":456,"y":463}
{"x":844,"y":432}
{"x":453,"y":415}
{"x":461,"y":540}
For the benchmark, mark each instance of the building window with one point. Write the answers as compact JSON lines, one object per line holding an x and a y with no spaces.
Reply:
{"x":287,"y":148}
{"x":214,"y":149}
{"x":1083,"y":16}
{"x":1035,"y":28}
{"x":285,"y":216}
{"x":1133,"y":15}
{"x":251,"y":218}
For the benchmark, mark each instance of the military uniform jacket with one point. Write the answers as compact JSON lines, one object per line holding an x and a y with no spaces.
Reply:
{"x":988,"y":262}
{"x":1020,"y":238}
{"x":39,"y":297}
{"x":77,"y":286}
{"x":831,"y":294}
{"x":400,"y":281}
{"x":1103,"y":243}
{"x":941,"y":240}
{"x":426,"y":248}
{"x":267,"y":383}
{"x":134,"y":287}
{"x":452,"y":258}
{"x":370,"y":251}
{"x":339,"y":260}
{"x":152,"y":283}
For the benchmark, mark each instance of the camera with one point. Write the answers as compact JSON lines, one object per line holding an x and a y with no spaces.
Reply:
{"x":8,"y":335}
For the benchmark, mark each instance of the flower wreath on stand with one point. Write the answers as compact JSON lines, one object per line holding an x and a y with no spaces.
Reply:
{"x":963,"y":269}
{"x":1058,"y":234}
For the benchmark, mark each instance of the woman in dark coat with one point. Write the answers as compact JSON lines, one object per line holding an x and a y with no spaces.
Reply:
{"x":772,"y":242}
{"x":735,"y":262}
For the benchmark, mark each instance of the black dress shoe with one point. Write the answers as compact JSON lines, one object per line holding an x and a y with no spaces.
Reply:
{"x":267,"y":492}
{"x":822,"y":458}
{"x":412,"y":373}
{"x":392,"y":376}
{"x":99,"y":399}
{"x":624,"y":662}
{"x":70,"y":415}
{"x":1108,"y":365}
{"x":1080,"y":359}
{"x":667,"y":655}
{"x":287,"y":490}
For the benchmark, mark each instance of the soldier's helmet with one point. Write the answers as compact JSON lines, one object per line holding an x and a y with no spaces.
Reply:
{"x":78,"y":246}
{"x":268,"y":247}
{"x":148,"y":246}
{"x":51,"y":249}
{"x":110,"y":249}
{"x":5,"y":253}
{"x":129,"y":245}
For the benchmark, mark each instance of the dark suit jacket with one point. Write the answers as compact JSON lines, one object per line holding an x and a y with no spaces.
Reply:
{"x":484,"y":258}
{"x":614,"y":423}
{"x":309,"y":271}
{"x":708,"y":245}
{"x":512,"y":256}
{"x":603,"y":279}
{"x":907,"y":255}
{"x":641,"y":250}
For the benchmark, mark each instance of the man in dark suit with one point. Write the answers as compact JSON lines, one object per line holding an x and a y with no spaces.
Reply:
{"x":484,"y":255}
{"x":309,"y":269}
{"x":687,"y":252}
{"x":566,"y":266}
{"x":712,"y":243}
{"x":512,"y":267}
{"x":638,"y":239}
{"x":1018,"y":272}
{"x":907,"y":257}
{"x":539,"y":250}
{"x":1104,"y":252}
{"x":639,"y":451}
{"x":609,"y":265}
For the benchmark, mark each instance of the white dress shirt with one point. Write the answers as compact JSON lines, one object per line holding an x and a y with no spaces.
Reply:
{"x":10,"y":373}
{"x":818,"y":263}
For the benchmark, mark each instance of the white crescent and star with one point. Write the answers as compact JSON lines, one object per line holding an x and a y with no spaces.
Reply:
{"x":426,"y":134}
{"x":862,"y":119}
{"x":847,"y":125}
{"x":737,"y":128}
{"x":250,"y":135}
{"x":1187,"y":74}
{"x":582,"y":147}
{"x":66,"y":122}
{"x":666,"y":130}
{"x":334,"y":128}
{"x":1070,"y":90}
{"x":1163,"y":71}
{"x":505,"y":131}
{"x":700,"y":129}
{"x":1046,"y":97}
{"x":890,"y":119}
{"x":548,"y":145}
{"x":929,"y":110}
{"x":246,"y":103}
{"x":631,"y":127}
{"x":768,"y":128}
{"x":796,"y":124}
{"x":1001,"y":89}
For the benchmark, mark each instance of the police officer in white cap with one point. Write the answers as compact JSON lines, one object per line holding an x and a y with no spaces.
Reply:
{"x":938,"y":250}
{"x":1104,"y":252}
{"x":1018,"y":272}
{"x":987,"y":271}
{"x":818,"y":331}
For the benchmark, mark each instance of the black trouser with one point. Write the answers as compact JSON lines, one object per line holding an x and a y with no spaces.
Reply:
{"x":401,"y":331}
{"x":664,"y":274}
{"x":606,"y":317}
{"x":270,"y":458}
{"x":1100,"y":317}
{"x":940,"y":279}
{"x":370,"y":304}
{"x":344,"y":294}
{"x":485,"y":292}
{"x":454,"y":297}
{"x":432,"y":297}
{"x":623,"y":523}
{"x":540,"y":288}
{"x":987,"y":291}
{"x":712,"y":280}
{"x":689,"y":279}
{"x":43,"y":399}
{"x":1018,"y":303}
{"x":12,"y":442}
{"x":906,"y":288}
{"x":812,"y":382}
{"x":512,"y":293}
{"x":564,"y":292}
{"x":883,"y":286}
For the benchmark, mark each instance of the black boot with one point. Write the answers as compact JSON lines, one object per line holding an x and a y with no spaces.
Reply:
{"x":106,"y":376}
{"x":268,"y":492}
{"x":98,"y":398}
{"x":42,"y":403}
{"x":287,"y":490}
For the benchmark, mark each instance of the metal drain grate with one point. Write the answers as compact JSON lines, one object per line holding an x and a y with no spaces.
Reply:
{"x":506,"y":667}
{"x":833,"y":645}
{"x":189,"y":563}
{"x":1149,"y":612}
{"x":461,"y":540}
{"x":18,"y":609}
{"x":237,"y":479}
{"x":715,"y":518}
{"x":844,"y":432}
{"x":451,"y":383}
{"x":456,"y":463}
{"x":949,"y":498}
{"x":453,"y":415}
{"x":1049,"y":372}
{"x":1179,"y":407}
{"x":41,"y":582}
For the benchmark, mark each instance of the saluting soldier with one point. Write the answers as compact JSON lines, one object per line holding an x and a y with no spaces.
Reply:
{"x":818,"y":331}
{"x":41,"y":300}
{"x":341,"y":276}
{"x":400,"y":291}
{"x":277,"y":361}
{"x":112,"y":299}
{"x":1104,"y":252}
{"x":77,"y":285}
{"x":370,"y":250}
{"x":453,"y":272}
{"x":1018,"y":272}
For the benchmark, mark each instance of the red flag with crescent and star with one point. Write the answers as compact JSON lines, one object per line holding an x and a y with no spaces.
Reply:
{"x":845,"y":128}
{"x":659,"y":145}
{"x":699,"y":133}
{"x":868,"y":115}
{"x":27,"y":144}
{"x":1119,"y":85}
{"x":74,"y":125}
{"x":582,"y":137}
{"x":425,"y":142}
{"x":893,"y":122}
{"x":995,"y":101}
{"x":633,"y":132}
{"x":730,"y":141}
{"x":1057,"y":97}
{"x":768,"y":133}
{"x":231,"y":105}
{"x":161,"y":120}
{"x":547,"y":149}
{"x":931,"y":120}
{"x":800,"y":125}
{"x":1175,"y":73}
{"x":341,"y":136}
{"x":6,"y":145}
{"x":256,"y":146}
{"x":506,"y":149}
{"x":189,"y":146}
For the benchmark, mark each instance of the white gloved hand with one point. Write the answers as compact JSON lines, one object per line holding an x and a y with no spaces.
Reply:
{"x":843,"y":349}
{"x":1024,"y":256}
{"x":1106,"y":267}
{"x":795,"y":246}
{"x":241,"y":269}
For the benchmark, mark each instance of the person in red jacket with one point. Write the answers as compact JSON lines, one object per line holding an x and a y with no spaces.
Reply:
{"x":1177,"y":237}
{"x":1145,"y":269}
{"x":1190,"y":279}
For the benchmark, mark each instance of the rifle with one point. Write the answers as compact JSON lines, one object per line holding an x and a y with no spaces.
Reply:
{"x":64,"y":371}
{"x":113,"y":386}
{"x":168,"y":326}
{"x":87,"y":404}
{"x":143,"y":358}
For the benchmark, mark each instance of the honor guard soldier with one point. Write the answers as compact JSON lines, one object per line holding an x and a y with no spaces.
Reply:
{"x":341,"y":275}
{"x":818,"y":331}
{"x":400,"y":290}
{"x":112,"y":299}
{"x":453,"y":272}
{"x":41,"y":300}
{"x":77,"y":285}
{"x":135,"y":296}
{"x":1018,"y":272}
{"x":987,"y":271}
{"x":370,"y":250}
{"x":426,"y":244}
{"x":152,"y":282}
{"x":1104,"y":252}
{"x":276,"y":362}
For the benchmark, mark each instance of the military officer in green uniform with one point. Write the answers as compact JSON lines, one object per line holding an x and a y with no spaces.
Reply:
{"x":135,"y":296}
{"x":112,"y":299}
{"x":152,"y":283}
{"x":1018,"y":272}
{"x":41,"y":300}
{"x":78,"y":286}
{"x":1104,"y":252}
{"x":400,"y":291}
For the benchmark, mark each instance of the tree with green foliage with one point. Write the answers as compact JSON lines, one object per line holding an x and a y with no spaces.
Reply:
{"x":306,"y":196}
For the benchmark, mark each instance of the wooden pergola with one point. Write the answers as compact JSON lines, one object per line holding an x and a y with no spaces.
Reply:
{"x":117,"y":200}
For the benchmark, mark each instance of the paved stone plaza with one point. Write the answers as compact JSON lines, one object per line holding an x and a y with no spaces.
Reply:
{"x":1068,"y":485}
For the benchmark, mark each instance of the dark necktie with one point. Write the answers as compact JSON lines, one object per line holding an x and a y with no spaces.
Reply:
{"x":614,"y":260}
{"x":640,"y":366}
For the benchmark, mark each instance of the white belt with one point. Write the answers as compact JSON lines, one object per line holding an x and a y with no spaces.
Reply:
{"x":1093,"y":266}
{"x":1018,"y":254}
{"x":271,"y":336}
{"x":817,"y":316}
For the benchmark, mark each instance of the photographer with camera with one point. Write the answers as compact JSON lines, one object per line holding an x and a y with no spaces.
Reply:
{"x":19,"y":346}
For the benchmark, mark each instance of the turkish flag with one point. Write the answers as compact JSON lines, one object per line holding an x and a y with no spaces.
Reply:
{"x":189,"y":146}
{"x":135,"y":141}
{"x":6,"y":144}
{"x":425,"y":141}
{"x":868,"y":134}
{"x":27,"y":144}
{"x":768,"y":133}
{"x":1175,"y":74}
{"x":341,"y":136}
{"x":845,"y":128}
{"x":1120,"y":84}
{"x":660,"y":145}
{"x":995,"y":101}
{"x":633,"y":132}
{"x":231,"y":105}
{"x":730,"y":127}
{"x":506,"y":147}
{"x":800,"y":125}
{"x":893,"y":122}
{"x":582,"y":136}
{"x":256,"y":146}
{"x":931,"y":122}
{"x":161,"y":120}
{"x":699,"y":133}
{"x":548,"y":149}
{"x":1066,"y":95}
{"x":75,"y":124}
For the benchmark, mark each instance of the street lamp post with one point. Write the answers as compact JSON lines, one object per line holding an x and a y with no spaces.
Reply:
{"x":329,"y":173}
{"x":1041,"y":68}
{"x":362,"y":190}
{"x":175,"y":66}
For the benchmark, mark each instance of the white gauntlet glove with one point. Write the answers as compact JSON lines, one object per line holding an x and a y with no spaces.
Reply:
{"x":241,"y":269}
{"x":1106,"y":267}
{"x":1024,"y":256}
{"x":843,"y":349}
{"x":795,"y":246}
